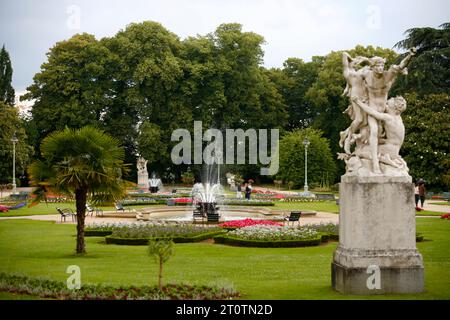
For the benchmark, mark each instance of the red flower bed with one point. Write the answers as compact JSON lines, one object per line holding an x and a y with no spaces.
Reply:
{"x":419,"y":209}
{"x":4,"y":209}
{"x":183,"y":200}
{"x":445,"y":216}
{"x":247,"y":223}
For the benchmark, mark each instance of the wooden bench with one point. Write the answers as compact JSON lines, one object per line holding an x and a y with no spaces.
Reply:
{"x":293,"y":217}
{"x":325,"y":196}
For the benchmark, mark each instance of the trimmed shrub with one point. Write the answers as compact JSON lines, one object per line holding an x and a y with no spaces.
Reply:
{"x":111,"y":239}
{"x":230,"y":240}
{"x":97,"y":233}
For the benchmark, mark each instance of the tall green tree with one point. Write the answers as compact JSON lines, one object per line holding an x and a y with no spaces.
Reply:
{"x":427,"y":141}
{"x":10,"y":124}
{"x":84,"y":163}
{"x":70,"y":89}
{"x":7,"y":94}
{"x":293,"y":81}
{"x":292,"y":157}
{"x":429,"y":71}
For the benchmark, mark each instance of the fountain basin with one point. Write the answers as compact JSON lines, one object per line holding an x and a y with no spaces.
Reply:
{"x":227,"y":214}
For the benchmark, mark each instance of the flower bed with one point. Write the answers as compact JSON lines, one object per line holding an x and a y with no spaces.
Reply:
{"x":235,"y":224}
{"x":46,"y":288}
{"x":445,"y":216}
{"x":301,"y":199}
{"x":141,"y":233}
{"x":271,"y":236}
{"x":329,"y":230}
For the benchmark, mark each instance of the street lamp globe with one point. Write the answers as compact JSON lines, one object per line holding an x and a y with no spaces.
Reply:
{"x":306,"y":142}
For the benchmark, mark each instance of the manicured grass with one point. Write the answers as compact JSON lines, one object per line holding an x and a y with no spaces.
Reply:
{"x":42,"y":248}
{"x":441,"y":203}
{"x":425,"y":213}
{"x":325,"y":206}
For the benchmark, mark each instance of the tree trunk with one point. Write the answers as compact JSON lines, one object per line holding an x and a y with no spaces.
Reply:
{"x":80,"y":199}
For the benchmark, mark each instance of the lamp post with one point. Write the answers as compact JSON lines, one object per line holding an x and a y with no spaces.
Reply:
{"x":14,"y":140}
{"x":306,"y":144}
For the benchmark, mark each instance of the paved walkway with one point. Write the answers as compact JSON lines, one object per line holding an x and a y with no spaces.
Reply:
{"x":320,"y":217}
{"x":429,"y":206}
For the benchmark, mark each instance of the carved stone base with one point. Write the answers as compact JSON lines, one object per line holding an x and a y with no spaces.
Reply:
{"x":377,"y":228}
{"x":143,"y":180}
{"x":393,"y":280}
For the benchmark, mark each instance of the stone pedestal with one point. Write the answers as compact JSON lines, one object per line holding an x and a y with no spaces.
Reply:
{"x":143,"y":180}
{"x":377,"y":231}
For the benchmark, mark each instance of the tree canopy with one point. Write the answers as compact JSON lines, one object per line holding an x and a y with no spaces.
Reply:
{"x":7,"y":94}
{"x":292,"y":158}
{"x":144,"y":82}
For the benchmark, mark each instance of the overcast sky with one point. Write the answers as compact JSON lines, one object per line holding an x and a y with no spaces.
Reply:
{"x":291,"y":28}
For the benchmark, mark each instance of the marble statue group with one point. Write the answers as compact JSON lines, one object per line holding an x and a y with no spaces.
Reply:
{"x":377,"y":129}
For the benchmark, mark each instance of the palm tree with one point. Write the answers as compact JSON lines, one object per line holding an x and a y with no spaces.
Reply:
{"x":83,"y":162}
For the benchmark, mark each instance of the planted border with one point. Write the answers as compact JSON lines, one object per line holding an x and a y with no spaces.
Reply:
{"x":110,"y":239}
{"x":47,"y":288}
{"x":97,"y":233}
{"x":234,"y":241}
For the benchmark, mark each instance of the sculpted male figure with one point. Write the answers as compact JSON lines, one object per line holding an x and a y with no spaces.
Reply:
{"x":378,"y":83}
{"x":389,"y":148}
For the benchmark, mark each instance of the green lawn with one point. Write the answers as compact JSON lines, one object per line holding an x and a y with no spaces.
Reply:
{"x":325,"y":206}
{"x":441,"y":203}
{"x":429,"y":213}
{"x":41,"y":248}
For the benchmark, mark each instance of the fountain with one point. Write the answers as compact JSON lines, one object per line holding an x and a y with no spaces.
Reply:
{"x":205,"y":201}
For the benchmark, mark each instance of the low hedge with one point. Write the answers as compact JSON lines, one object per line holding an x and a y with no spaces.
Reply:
{"x":225,"y":239}
{"x":177,"y":239}
{"x":97,"y":233}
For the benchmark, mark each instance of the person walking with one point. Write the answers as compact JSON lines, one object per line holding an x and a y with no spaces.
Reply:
{"x":239,"y":191}
{"x":422,"y":191}
{"x":248,"y":190}
{"x":416,"y":194}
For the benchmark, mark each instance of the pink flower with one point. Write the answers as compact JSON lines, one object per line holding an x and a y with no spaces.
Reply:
{"x":247,"y":223}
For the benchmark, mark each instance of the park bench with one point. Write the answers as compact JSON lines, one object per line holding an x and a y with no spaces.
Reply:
{"x":325,"y":196}
{"x":213,"y":217}
{"x":120,"y":207}
{"x":90,"y":210}
{"x":66,"y":212}
{"x":446,"y":195}
{"x":293,"y":217}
